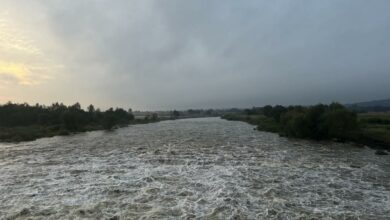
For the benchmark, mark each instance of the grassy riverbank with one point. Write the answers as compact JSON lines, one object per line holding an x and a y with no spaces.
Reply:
{"x":22,"y":122}
{"x":375,"y":129}
{"x":320,"y":123}
{"x":33,"y":132}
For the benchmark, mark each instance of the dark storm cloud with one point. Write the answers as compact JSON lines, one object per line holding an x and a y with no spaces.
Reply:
{"x":184,"y":54}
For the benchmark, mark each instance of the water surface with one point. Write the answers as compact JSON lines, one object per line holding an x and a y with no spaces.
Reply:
{"x":195,"y":168}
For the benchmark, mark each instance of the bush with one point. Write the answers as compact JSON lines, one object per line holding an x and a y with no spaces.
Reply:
{"x":316,"y":122}
{"x":108,"y":122}
{"x":340,"y":123}
{"x":294,"y":123}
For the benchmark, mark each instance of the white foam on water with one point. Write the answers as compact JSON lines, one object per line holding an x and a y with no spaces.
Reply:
{"x":196,"y":168}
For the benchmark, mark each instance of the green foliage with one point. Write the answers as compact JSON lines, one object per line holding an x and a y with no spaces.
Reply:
{"x":319,"y":122}
{"x":71,"y":118}
{"x":375,"y":129}
{"x":315,"y":122}
{"x":274,"y":112}
{"x":294,"y":123}
{"x":116,"y":117}
{"x":253,"y":111}
{"x":376,"y":120}
{"x":108,"y":121}
{"x":340,"y":122}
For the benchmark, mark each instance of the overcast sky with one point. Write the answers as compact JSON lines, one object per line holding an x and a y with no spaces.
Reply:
{"x":167,"y":54}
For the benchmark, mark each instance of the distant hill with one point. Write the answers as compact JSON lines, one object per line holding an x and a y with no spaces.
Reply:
{"x":371,"y":106}
{"x":382,"y":103}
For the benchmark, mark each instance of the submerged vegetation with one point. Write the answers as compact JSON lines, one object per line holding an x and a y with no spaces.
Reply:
{"x":320,"y":122}
{"x":23,"y":122}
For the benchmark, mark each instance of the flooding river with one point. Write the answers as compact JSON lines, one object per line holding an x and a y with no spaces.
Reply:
{"x":191,"y":169}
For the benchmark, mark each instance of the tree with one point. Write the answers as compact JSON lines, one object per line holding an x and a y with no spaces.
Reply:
{"x":319,"y":122}
{"x":267,"y":110}
{"x":176,"y":114}
{"x":294,"y":124}
{"x":108,"y":121}
{"x":340,"y":123}
{"x":76,"y":106}
{"x":91,"y":109}
{"x":70,"y":120}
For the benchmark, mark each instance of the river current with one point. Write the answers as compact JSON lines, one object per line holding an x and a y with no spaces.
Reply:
{"x":205,"y":168}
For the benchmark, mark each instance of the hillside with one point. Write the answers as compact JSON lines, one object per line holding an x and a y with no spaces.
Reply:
{"x":382,"y":103}
{"x":371,"y":106}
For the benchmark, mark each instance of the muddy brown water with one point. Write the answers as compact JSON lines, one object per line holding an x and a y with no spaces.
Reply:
{"x":191,"y":169}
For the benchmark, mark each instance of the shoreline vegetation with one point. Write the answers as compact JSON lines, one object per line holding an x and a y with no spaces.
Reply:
{"x":23,"y":122}
{"x":336,"y":122}
{"x":320,"y":122}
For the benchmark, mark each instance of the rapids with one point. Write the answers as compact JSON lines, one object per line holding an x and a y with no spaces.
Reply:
{"x":205,"y":168}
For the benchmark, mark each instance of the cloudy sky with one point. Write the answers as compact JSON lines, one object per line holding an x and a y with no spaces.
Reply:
{"x":165,"y":54}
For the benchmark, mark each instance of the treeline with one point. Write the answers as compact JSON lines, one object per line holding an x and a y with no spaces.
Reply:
{"x":210,"y":112}
{"x":317,"y":122}
{"x":71,"y":118}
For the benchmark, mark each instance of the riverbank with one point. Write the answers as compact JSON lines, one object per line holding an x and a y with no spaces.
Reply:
{"x":373,"y":128}
{"x":33,"y":132}
{"x":24,"y":122}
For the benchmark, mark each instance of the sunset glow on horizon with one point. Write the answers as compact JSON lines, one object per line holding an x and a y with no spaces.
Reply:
{"x":201,"y":54}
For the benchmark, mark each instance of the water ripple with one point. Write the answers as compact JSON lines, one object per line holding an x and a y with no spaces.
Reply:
{"x":185,"y":169}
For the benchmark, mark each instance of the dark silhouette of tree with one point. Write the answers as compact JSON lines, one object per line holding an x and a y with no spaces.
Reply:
{"x":319,"y":122}
{"x":76,"y":106}
{"x":176,"y":114}
{"x":72,"y":118}
{"x":91,"y":109}
{"x":108,"y":121}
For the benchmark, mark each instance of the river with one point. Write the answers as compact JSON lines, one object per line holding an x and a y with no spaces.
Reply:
{"x":204,"y":168}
